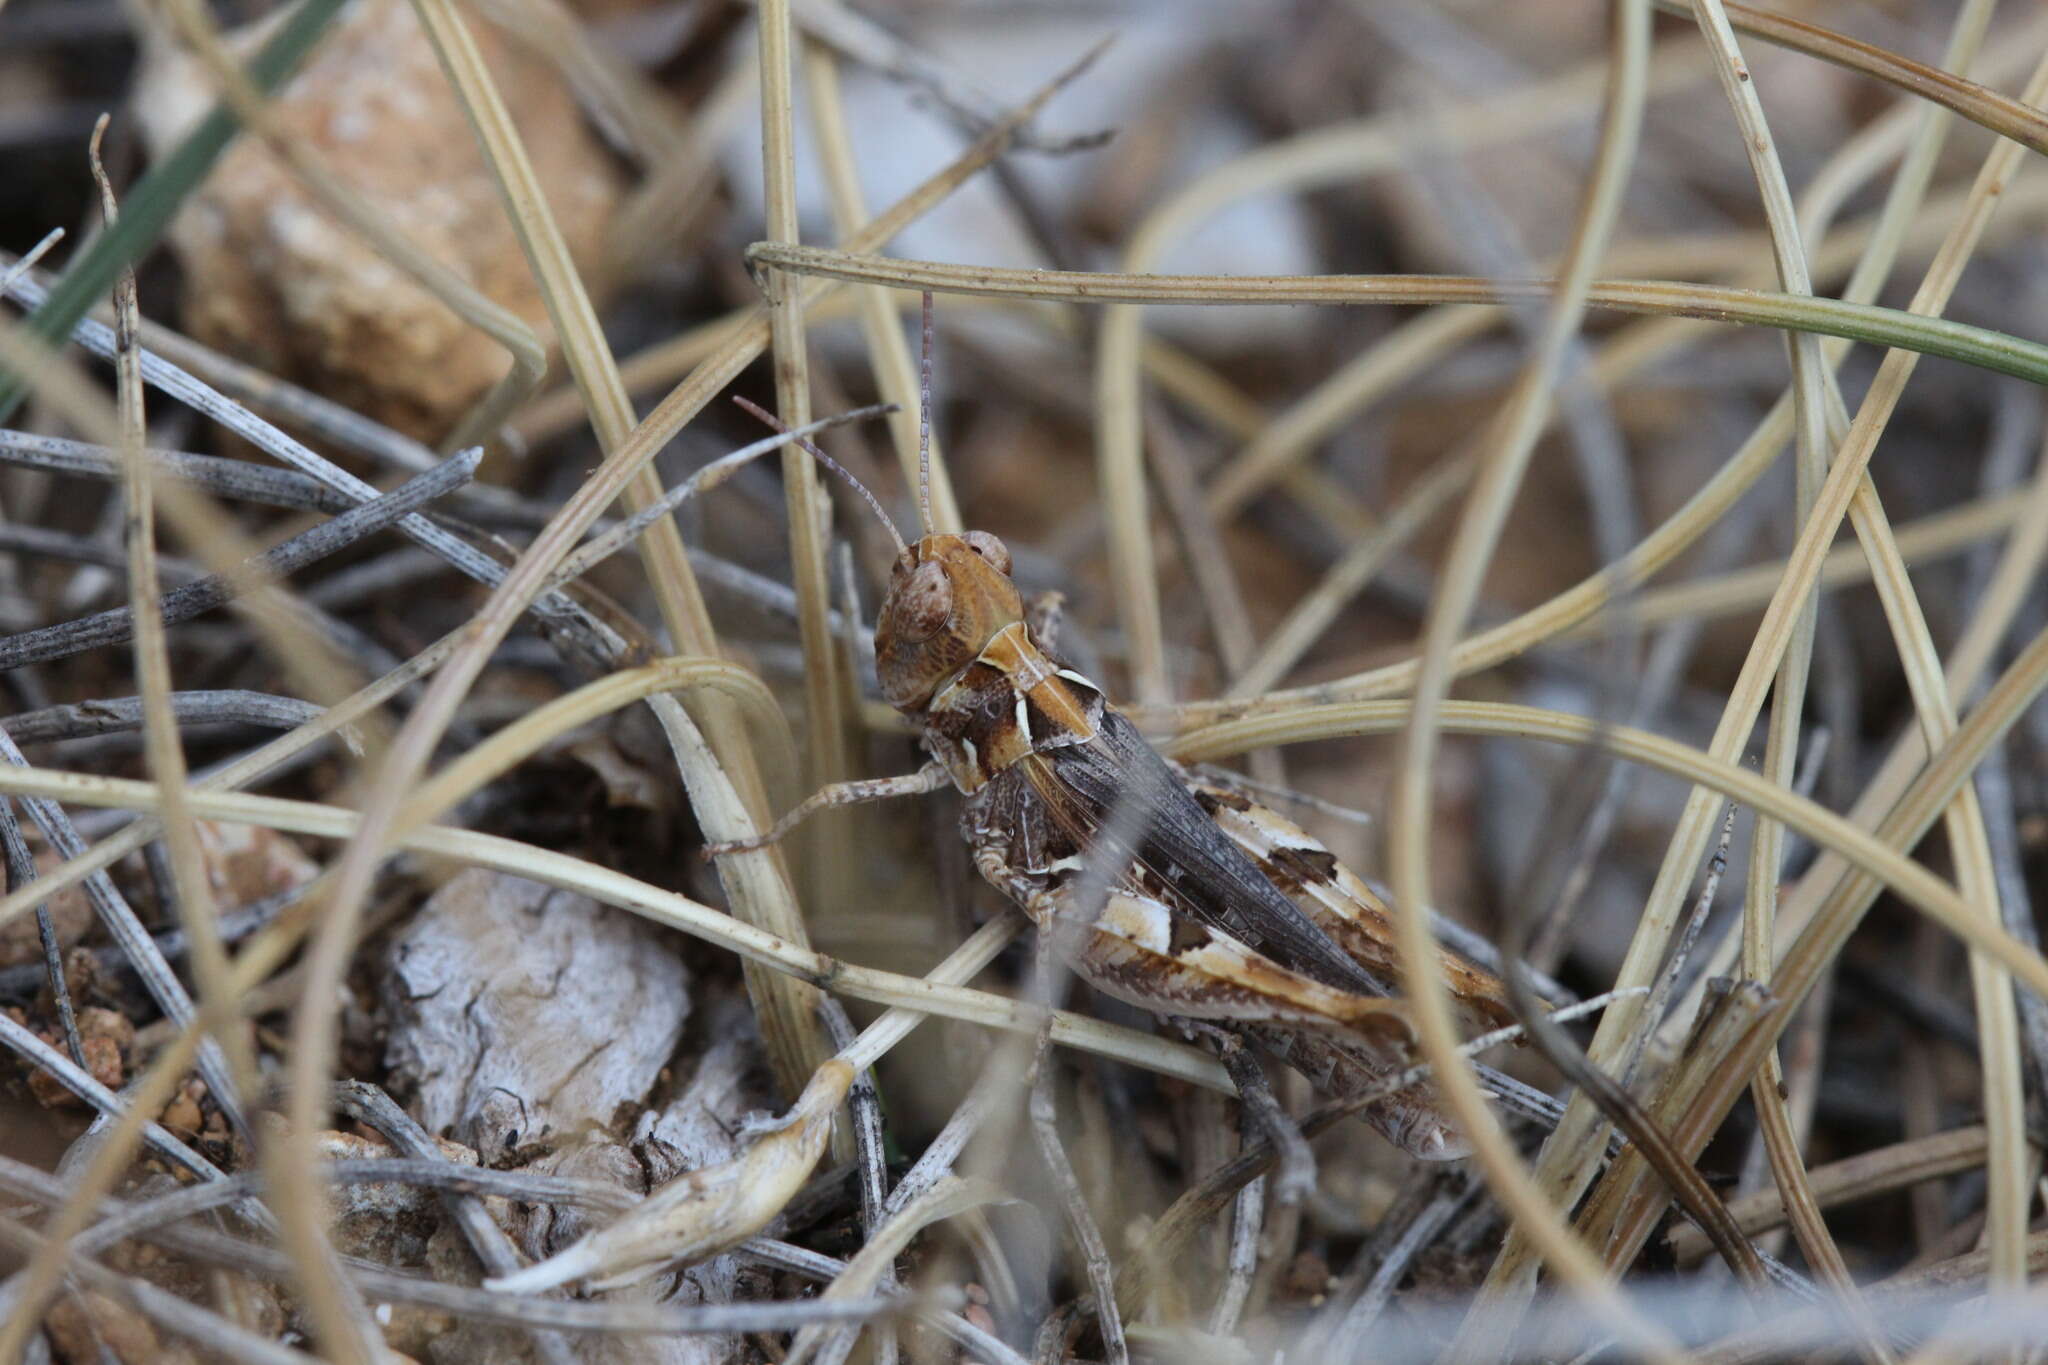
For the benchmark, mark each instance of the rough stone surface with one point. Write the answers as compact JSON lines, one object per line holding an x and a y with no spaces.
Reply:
{"x":105,"y":1036}
{"x":691,"y":1128}
{"x":694,"y":1127}
{"x":522,"y":1016}
{"x":91,"y":1328}
{"x":272,"y":279}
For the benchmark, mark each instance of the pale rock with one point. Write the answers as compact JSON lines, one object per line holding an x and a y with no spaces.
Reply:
{"x":248,"y":863}
{"x":92,"y":1328}
{"x":272,"y":279}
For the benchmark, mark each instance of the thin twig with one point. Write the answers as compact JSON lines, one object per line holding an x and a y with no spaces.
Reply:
{"x":1412,"y":1236}
{"x":1687,"y":1186}
{"x":117,"y":625}
{"x":1094,"y":1255}
{"x":219,"y":1336}
{"x":865,"y":1104}
{"x":134,"y":941}
{"x":21,"y":870}
{"x":825,"y":1269}
{"x":1905,"y":330}
{"x":1247,"y":1218}
{"x":368,"y":1104}
{"x":863,"y":41}
{"x":80,"y":1082}
{"x":120,"y":715}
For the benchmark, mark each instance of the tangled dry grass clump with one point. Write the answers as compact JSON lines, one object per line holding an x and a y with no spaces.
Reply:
{"x":1446,"y":412}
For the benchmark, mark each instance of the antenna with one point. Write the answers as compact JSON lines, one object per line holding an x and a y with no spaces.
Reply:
{"x":773,"y":423}
{"x":924,"y":420}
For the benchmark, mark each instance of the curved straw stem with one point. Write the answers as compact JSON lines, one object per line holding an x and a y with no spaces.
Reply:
{"x":1507,"y":447}
{"x":1905,"y":330}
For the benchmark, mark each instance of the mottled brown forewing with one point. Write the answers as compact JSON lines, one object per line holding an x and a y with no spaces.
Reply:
{"x":1202,"y":872}
{"x":1211,"y":907}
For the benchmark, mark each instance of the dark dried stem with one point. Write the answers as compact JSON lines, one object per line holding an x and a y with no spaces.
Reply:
{"x":122,"y":715}
{"x":183,"y":603}
{"x":865,"y":1105}
{"x":1094,"y":1254}
{"x":133,"y":940}
{"x":1241,"y":1265}
{"x":21,"y":870}
{"x":1688,"y":939}
{"x":1297,"y":1176}
{"x":369,"y":1105}
{"x":1394,"y":1249}
{"x":1687,"y":1186}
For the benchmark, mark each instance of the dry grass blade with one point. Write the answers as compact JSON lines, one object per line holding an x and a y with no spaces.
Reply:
{"x":1568,"y":1164}
{"x":1857,"y":1177}
{"x":2019,"y":120}
{"x":896,"y":375}
{"x":1746,"y":590}
{"x":1910,"y":330}
{"x":226,"y":1057}
{"x":626,"y":464}
{"x":1811,"y":414}
{"x":485,"y":841}
{"x":913,"y":994}
{"x":220,"y":1005}
{"x":1844,"y":481}
{"x":828,"y":758}
{"x":1509,"y":443}
{"x":1844,"y":897}
{"x":1870,"y":851}
{"x":949,"y":1198}
{"x":590,"y":360}
{"x":1688,"y":1187}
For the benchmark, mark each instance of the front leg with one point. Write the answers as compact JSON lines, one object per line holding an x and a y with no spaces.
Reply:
{"x":929,"y":778}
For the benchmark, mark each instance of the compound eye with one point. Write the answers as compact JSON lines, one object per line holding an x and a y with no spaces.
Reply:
{"x":990,"y":549}
{"x":924,"y":603}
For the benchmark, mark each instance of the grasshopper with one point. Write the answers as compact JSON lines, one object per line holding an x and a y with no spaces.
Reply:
{"x":1219,"y":913}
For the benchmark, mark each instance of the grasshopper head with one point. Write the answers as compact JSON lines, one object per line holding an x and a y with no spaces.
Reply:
{"x":948,"y":596}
